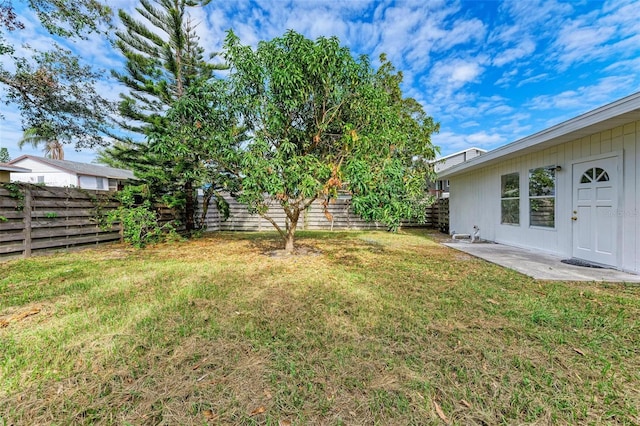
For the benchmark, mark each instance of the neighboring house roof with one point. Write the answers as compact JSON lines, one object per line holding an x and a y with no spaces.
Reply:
{"x":618,"y":113}
{"x":455,"y":154}
{"x":7,"y":168}
{"x":80,"y":168}
{"x":448,"y":161}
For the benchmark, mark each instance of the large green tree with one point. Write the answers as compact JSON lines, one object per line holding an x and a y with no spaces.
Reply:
{"x":54,"y":91}
{"x":163,"y":61}
{"x":322,"y":121}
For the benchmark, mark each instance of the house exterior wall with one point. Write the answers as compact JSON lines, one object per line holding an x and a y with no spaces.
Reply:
{"x":476,"y":195}
{"x":51,"y":175}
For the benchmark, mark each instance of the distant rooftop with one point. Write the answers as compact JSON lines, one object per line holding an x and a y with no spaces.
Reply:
{"x":9,"y":168}
{"x":79,"y":168}
{"x":455,"y":154}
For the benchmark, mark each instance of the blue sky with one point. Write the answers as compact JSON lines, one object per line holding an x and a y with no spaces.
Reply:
{"x":490,"y":72}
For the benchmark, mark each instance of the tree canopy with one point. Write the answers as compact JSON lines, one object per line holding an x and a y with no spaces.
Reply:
{"x":53,"y":90}
{"x":163,"y":61}
{"x":322,"y":121}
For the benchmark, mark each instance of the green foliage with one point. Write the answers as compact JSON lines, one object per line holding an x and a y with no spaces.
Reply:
{"x":16,"y":192}
{"x":164,"y":61}
{"x":138,"y":218}
{"x":542,"y":182}
{"x":57,"y":98}
{"x":4,"y":155}
{"x":322,"y":121}
{"x":67,"y":19}
{"x":54,"y":91}
{"x":52,"y":148}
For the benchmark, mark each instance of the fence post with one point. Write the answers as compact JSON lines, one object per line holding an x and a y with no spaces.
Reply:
{"x":26,"y":211}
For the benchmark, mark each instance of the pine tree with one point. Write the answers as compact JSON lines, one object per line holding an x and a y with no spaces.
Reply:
{"x":163,"y":61}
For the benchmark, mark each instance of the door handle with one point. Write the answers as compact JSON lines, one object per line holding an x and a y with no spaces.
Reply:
{"x":574,"y":218}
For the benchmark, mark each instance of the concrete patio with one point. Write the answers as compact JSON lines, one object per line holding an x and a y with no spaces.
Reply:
{"x":538,"y":265}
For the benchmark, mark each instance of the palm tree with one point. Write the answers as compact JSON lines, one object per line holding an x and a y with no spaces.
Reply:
{"x":52,"y":147}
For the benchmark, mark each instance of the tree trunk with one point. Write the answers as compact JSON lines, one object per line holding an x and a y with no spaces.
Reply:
{"x":189,"y":207}
{"x":288,"y":244}
{"x":292,"y":224}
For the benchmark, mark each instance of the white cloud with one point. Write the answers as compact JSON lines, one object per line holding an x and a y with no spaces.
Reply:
{"x":484,"y":139}
{"x":449,"y":76}
{"x":534,"y":79}
{"x":523,"y":49}
{"x":580,"y":42}
{"x":584,"y":97}
{"x":450,"y":142}
{"x":468,"y":124}
{"x":537,"y":16}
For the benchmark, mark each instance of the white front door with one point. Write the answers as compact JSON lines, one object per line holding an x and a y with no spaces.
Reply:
{"x":595,"y":208}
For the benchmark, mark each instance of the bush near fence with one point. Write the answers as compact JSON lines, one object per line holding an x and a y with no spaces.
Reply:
{"x":37,"y":219}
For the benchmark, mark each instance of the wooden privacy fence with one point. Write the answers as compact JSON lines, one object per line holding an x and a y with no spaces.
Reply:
{"x":38,"y":219}
{"x":340,"y":217}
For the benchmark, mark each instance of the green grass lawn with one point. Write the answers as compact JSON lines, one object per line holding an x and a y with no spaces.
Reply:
{"x":364,"y":328}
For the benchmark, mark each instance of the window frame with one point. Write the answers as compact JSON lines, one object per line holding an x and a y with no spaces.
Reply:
{"x":509,"y":199}
{"x":552,"y":195}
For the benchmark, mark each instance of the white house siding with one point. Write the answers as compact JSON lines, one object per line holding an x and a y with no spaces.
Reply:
{"x":475,"y":196}
{"x":52,"y":175}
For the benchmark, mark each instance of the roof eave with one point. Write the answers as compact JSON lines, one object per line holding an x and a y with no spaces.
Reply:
{"x":621,"y":112}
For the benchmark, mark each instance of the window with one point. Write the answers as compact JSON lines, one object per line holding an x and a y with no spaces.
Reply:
{"x":542,"y":197}
{"x":595,"y":174}
{"x":442,"y":185}
{"x":510,"y":199}
{"x":99,"y":183}
{"x":40,"y":179}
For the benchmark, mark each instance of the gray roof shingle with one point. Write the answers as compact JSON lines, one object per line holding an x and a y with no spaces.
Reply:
{"x":80,"y":168}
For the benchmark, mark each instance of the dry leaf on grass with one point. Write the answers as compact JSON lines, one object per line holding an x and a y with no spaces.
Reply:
{"x":465,"y":403}
{"x":210,"y":415}
{"x":261,"y":409}
{"x":578,"y":351}
{"x":493,"y":302}
{"x":4,"y":322}
{"x":284,"y":423}
{"x":441,"y":413}
{"x":195,"y":367}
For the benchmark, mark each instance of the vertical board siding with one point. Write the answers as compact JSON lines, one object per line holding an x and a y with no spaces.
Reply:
{"x":475,"y":196}
{"x":340,"y":217}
